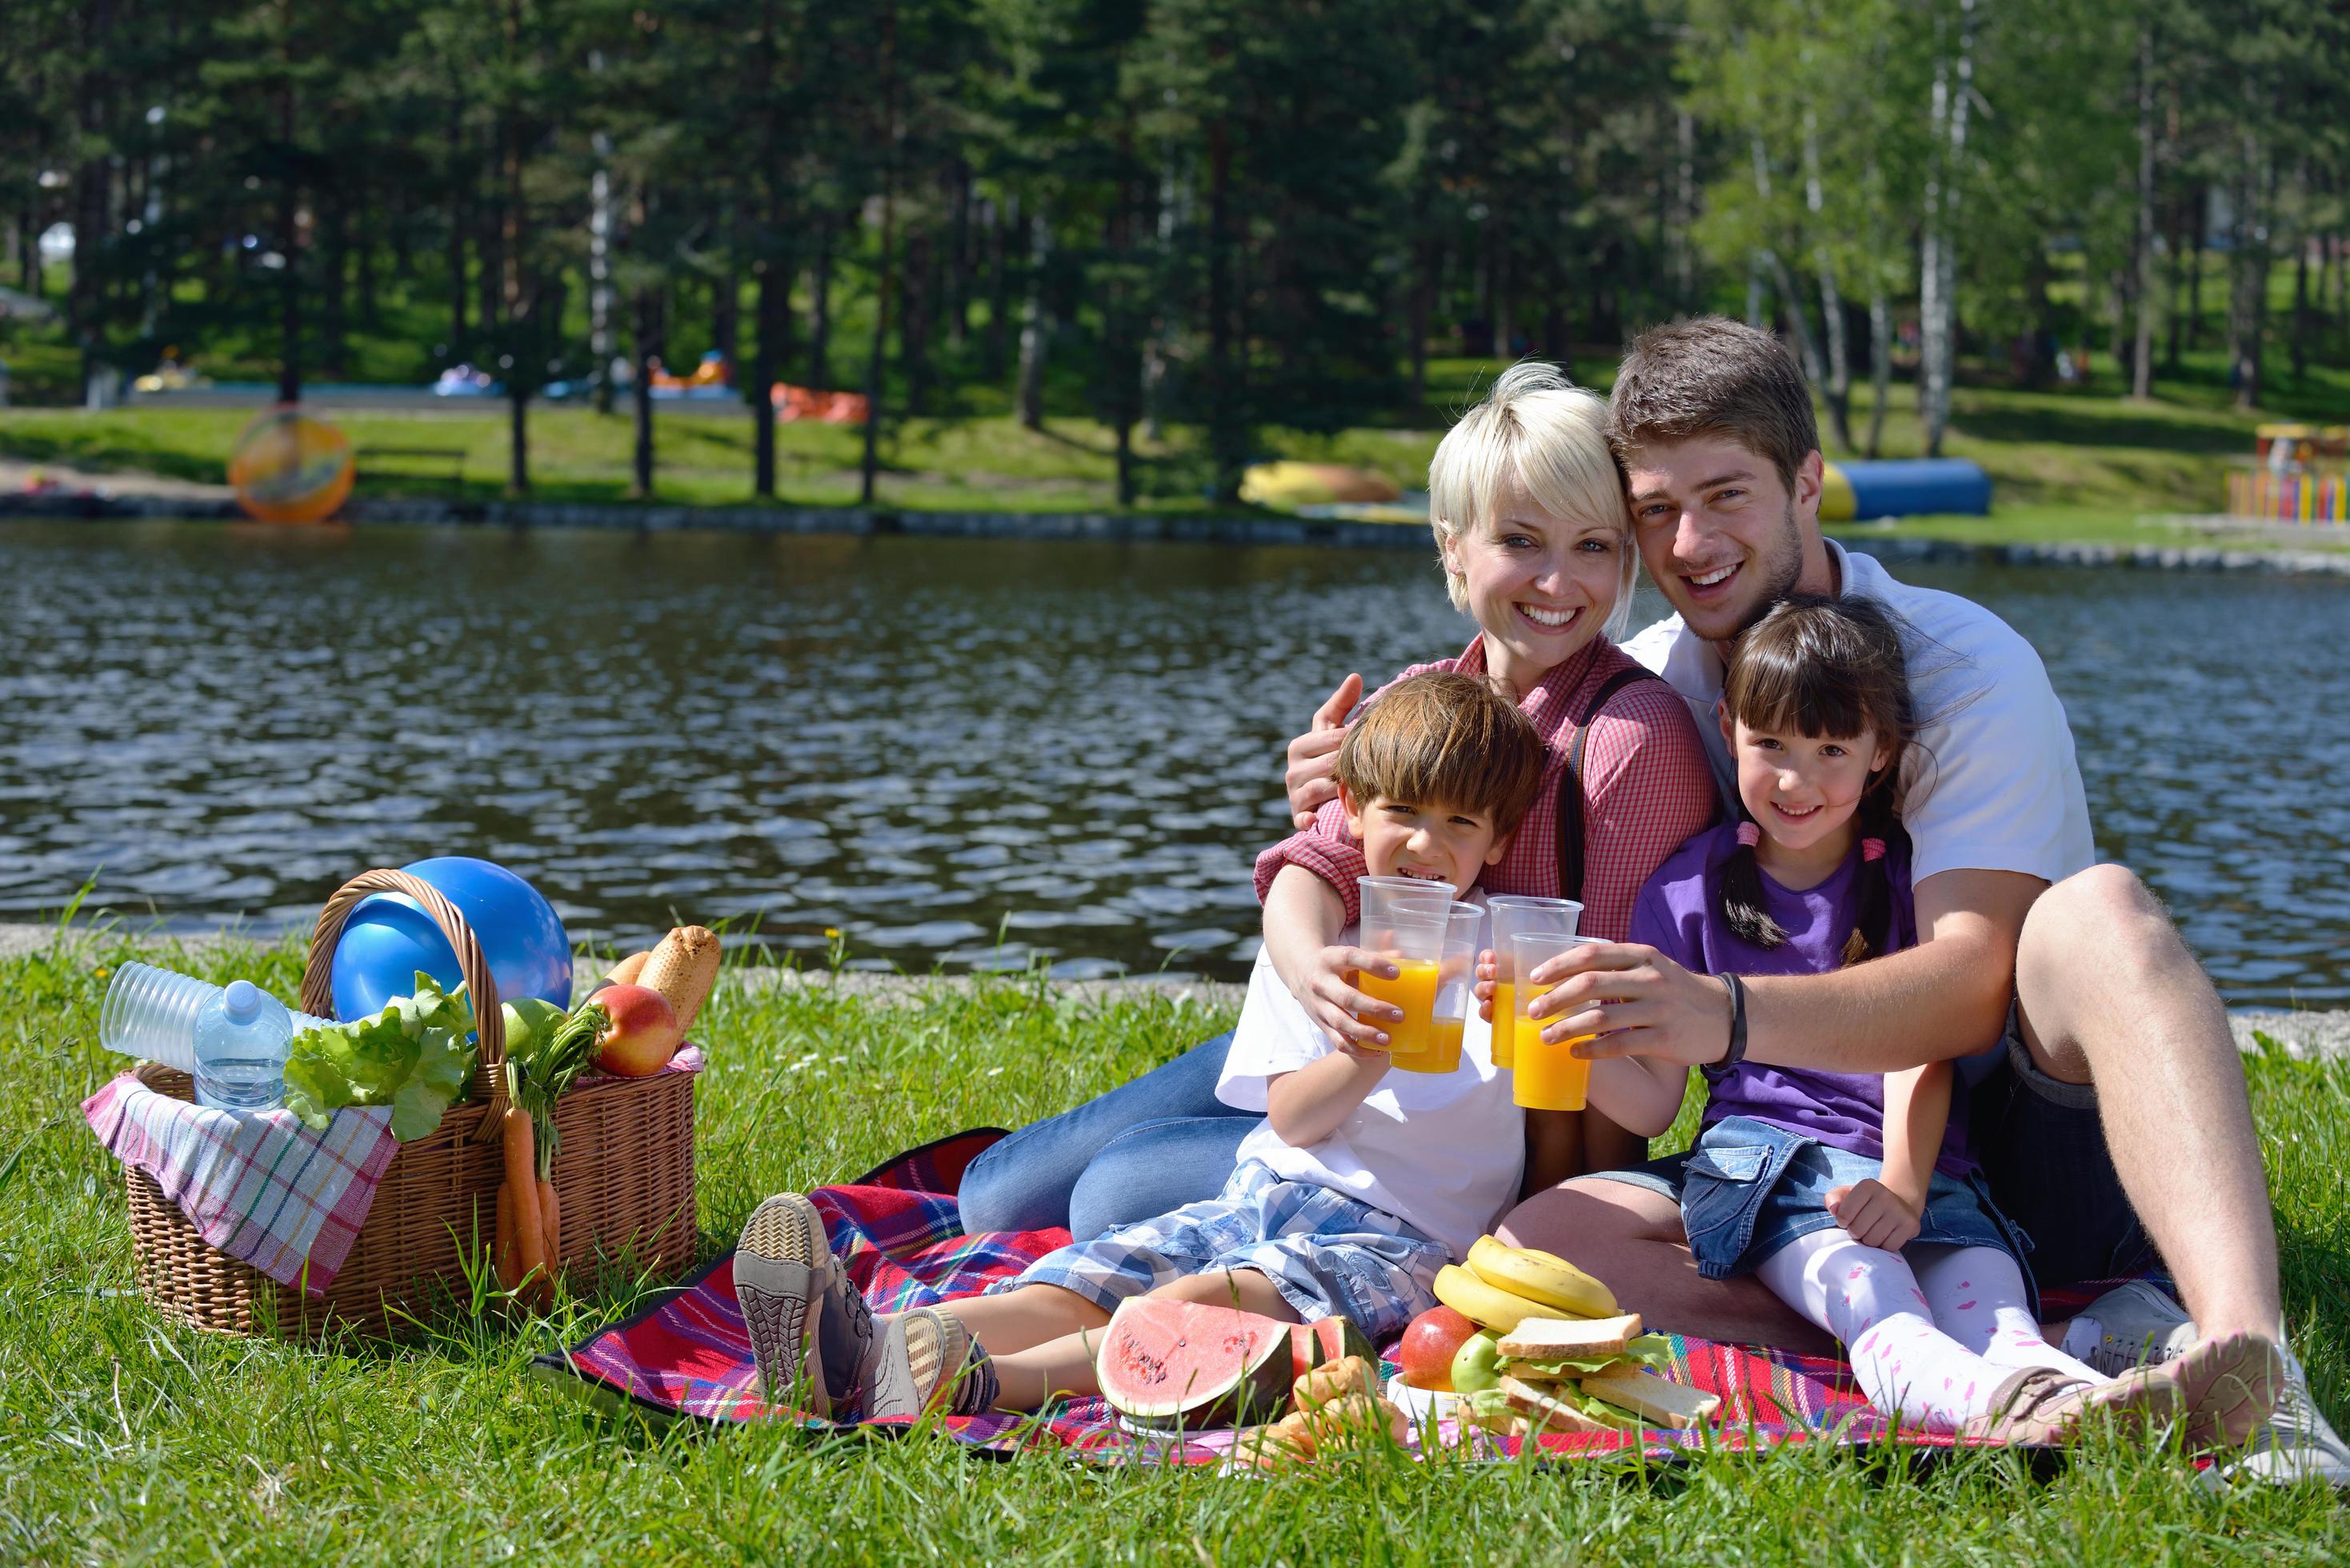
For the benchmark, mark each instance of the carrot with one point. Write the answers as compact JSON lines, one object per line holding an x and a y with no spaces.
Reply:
{"x":522,"y":1176}
{"x":548,"y":1211}
{"x":508,"y":1275}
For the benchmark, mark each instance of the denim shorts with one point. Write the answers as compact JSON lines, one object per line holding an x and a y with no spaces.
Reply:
{"x":1749,"y":1188}
{"x":1328,"y":1254}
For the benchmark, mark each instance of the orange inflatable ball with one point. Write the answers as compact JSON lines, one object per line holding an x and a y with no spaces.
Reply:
{"x":287,"y":467}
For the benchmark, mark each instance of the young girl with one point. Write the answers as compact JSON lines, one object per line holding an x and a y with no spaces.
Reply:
{"x":1853,"y":1197}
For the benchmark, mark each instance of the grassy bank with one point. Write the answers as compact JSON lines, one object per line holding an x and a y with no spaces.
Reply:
{"x":2082,"y":463}
{"x":122,"y":1438}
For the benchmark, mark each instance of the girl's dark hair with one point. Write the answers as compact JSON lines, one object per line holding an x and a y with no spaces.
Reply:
{"x":1825,"y":669}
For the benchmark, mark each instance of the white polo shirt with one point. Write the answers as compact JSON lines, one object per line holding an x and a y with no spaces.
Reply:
{"x":1993,"y":784}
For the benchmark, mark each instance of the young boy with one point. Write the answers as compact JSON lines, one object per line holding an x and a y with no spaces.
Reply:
{"x":1360,"y":1184}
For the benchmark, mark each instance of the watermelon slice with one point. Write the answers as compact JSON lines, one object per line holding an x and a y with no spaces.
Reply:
{"x":1331,"y":1339}
{"x":1182,"y":1365}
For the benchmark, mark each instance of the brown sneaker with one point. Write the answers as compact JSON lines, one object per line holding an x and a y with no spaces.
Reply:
{"x":2040,"y":1405}
{"x":929,"y":1361}
{"x":2231,"y":1385}
{"x":810,"y":1333}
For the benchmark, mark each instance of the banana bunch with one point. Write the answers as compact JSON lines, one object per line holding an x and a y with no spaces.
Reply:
{"x":1502,"y":1287}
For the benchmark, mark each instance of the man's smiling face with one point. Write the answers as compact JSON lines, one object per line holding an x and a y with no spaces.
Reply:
{"x":1722,"y":534}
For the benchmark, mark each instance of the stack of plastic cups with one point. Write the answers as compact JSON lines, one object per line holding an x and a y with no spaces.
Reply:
{"x":1550,"y":1076}
{"x":1404,"y":921}
{"x":1455,"y":994}
{"x":1513,"y":913}
{"x":152,"y":1012}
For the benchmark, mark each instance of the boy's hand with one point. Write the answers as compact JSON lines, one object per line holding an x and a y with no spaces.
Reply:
{"x":1314,"y":756}
{"x":1488,"y":972}
{"x":1332,"y":1000}
{"x":1873,"y":1214}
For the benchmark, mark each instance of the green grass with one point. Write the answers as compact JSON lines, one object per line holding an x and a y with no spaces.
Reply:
{"x":124,"y":1439}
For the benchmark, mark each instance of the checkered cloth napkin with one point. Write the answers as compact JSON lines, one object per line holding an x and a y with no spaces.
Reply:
{"x":263,"y":1189}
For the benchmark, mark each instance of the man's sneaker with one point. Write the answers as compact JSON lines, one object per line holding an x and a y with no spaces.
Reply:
{"x":2229,"y":1385}
{"x":2295,"y":1443}
{"x":810,"y":1330}
{"x":2128,"y":1327}
{"x":929,"y":1361}
{"x":2037,"y":1404}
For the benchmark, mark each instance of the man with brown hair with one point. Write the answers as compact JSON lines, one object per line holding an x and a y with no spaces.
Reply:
{"x":2109,"y":1102}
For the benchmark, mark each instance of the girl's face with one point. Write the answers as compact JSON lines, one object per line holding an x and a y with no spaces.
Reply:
{"x":1802,"y":789}
{"x":1540,"y":587}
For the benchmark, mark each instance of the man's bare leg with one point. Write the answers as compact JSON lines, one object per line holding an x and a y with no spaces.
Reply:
{"x":2110,"y":996}
{"x":1630,"y":1239}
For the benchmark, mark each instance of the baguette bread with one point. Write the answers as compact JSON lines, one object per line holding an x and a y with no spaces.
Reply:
{"x":682,"y":968}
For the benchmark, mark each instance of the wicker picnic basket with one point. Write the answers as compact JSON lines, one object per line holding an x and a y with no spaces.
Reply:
{"x":624,"y":1175}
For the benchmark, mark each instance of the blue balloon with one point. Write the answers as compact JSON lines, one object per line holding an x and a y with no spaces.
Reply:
{"x":388,"y":937}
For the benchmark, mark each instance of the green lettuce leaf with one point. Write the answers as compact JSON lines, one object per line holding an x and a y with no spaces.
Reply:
{"x":415,"y":1056}
{"x":1648,"y":1349}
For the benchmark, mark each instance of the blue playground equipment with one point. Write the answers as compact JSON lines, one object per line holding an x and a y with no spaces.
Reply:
{"x":1911,"y":487}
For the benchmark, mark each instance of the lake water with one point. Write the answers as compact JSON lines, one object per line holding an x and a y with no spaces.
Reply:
{"x":967,"y":753}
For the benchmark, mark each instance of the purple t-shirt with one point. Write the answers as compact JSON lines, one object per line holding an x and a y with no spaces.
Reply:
{"x":1679,"y":914}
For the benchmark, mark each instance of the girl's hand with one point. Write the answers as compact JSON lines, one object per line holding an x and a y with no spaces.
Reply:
{"x":1487,"y":973}
{"x":1873,"y":1215}
{"x":1331,"y":999}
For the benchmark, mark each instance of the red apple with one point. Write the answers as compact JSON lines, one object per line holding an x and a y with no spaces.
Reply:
{"x":1429,"y":1344}
{"x":643,"y":1034}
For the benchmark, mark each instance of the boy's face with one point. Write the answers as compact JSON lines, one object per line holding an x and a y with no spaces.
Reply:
{"x":1436,"y":843}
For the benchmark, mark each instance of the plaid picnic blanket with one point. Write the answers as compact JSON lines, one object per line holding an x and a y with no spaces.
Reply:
{"x":687,"y":1354}
{"x":263,"y":1189}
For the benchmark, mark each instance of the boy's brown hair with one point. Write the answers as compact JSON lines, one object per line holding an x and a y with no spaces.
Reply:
{"x":1445,"y":739}
{"x":1711,"y":376}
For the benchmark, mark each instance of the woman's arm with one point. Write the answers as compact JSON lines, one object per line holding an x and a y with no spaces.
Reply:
{"x":1309,"y":1104}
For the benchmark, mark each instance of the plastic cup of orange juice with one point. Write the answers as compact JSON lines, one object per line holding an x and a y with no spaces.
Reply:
{"x":1549,"y":1077}
{"x":1456,"y":979}
{"x":1412,"y":938}
{"x":1513,"y":913}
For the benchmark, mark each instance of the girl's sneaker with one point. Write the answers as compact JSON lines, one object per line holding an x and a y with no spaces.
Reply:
{"x":810,"y":1330}
{"x":928,"y":1360}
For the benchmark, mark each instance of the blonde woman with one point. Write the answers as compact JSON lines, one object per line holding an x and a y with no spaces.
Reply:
{"x":1535,"y":543}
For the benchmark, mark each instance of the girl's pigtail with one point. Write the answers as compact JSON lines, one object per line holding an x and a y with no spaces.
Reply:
{"x":1742,"y":892}
{"x":1872,"y":928}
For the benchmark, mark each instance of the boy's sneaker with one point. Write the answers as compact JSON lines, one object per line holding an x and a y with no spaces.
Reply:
{"x":810,"y":1330}
{"x":928,"y":1360}
{"x":2128,"y":1327}
{"x":2295,"y":1443}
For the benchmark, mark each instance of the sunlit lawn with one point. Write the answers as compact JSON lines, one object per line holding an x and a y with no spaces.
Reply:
{"x":124,"y":1439}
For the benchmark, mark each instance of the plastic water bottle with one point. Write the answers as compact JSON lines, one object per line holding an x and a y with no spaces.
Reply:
{"x":242,"y":1035}
{"x":151,"y":1011}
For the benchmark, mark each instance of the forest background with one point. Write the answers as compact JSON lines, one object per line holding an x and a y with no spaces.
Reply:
{"x":1186,"y":222}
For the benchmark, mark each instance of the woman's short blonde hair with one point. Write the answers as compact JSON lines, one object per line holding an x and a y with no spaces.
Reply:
{"x":1549,"y":435}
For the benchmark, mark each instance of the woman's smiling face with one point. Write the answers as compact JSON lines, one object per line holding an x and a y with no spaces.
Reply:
{"x":1541,"y":586}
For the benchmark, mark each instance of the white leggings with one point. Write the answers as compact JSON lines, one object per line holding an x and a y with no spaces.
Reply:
{"x":1931,"y":1330}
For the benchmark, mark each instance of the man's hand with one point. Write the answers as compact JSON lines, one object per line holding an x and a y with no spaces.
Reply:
{"x":1638,"y":1001}
{"x":1331,"y":999}
{"x":1874,"y":1217}
{"x":1314,"y":756}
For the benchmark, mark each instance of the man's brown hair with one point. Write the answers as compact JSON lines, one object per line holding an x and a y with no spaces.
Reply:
{"x":1711,"y":376}
{"x":1445,"y":739}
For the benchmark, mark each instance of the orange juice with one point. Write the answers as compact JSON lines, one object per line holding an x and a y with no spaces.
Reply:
{"x":1506,"y":1025}
{"x":1443,"y":1053}
{"x":1549,"y":1077}
{"x":1414,"y":990}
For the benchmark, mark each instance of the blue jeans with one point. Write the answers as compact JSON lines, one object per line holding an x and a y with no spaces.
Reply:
{"x":1145,"y":1149}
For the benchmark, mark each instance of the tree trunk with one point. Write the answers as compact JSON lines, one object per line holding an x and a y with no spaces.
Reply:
{"x":1684,"y":208}
{"x":1836,"y":388}
{"x":2248,"y":267}
{"x":2198,"y":220}
{"x":2178,"y":285}
{"x":289,"y":276}
{"x":819,"y":360}
{"x":1036,"y":325}
{"x":958,"y":267}
{"x":1227,"y":433}
{"x":1000,"y":227}
{"x":641,"y":392}
{"x":1880,"y":366}
{"x":773,"y":309}
{"x":1423,"y":307}
{"x":875,"y":363}
{"x":726,"y":308}
{"x":457,"y":285}
{"x":1953,"y":96}
{"x":917,"y":293}
{"x":2299,"y":337}
{"x":2142,"y":354}
{"x":1497,"y":253}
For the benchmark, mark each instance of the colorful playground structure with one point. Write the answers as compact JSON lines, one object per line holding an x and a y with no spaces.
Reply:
{"x":2291,"y":483}
{"x":1863,"y":492}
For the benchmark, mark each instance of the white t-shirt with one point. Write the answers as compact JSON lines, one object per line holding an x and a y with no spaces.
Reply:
{"x":1993,"y":784}
{"x":1444,"y":1151}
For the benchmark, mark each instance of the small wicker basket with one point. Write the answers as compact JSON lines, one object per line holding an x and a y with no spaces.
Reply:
{"x":624,"y":1175}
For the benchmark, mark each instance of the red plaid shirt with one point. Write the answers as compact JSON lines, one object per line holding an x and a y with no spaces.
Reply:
{"x":1645,"y":788}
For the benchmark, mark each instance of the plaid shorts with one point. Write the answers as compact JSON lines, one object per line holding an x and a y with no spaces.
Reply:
{"x":1327,"y":1254}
